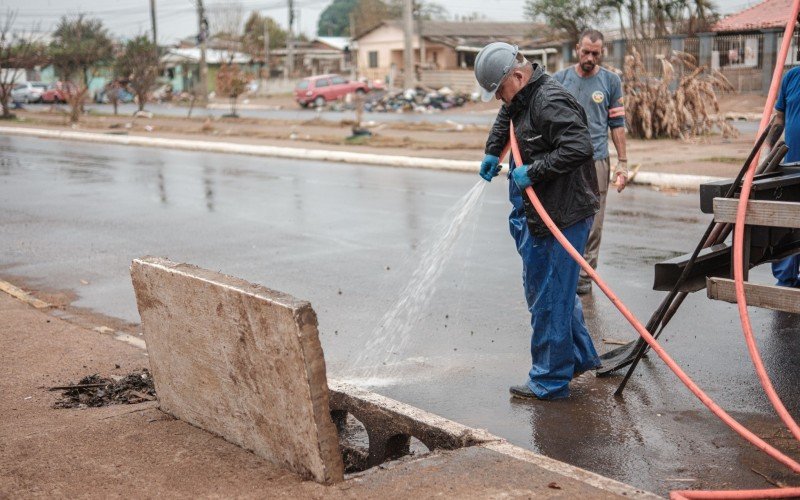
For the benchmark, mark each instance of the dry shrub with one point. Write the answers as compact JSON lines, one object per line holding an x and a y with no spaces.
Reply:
{"x":652,"y":110}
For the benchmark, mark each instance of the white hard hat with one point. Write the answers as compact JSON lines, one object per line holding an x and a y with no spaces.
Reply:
{"x":492,"y":65}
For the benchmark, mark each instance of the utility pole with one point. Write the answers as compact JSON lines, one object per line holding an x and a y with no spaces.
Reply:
{"x":353,"y":62}
{"x":202,"y":36}
{"x":266,"y":54}
{"x":290,"y":42}
{"x":422,"y":56}
{"x":409,"y":75}
{"x":153,"y":22}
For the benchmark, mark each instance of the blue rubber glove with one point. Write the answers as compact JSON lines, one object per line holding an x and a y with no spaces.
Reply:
{"x":520,"y":175}
{"x":490,"y":167}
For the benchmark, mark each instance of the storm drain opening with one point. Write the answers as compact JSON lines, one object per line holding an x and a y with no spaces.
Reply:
{"x":353,"y":441}
{"x":360,"y":454}
{"x":417,"y":447}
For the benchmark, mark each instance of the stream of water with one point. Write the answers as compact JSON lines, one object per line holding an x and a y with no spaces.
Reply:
{"x":387,"y":346}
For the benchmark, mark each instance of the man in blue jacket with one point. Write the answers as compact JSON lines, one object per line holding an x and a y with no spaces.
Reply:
{"x":556,"y":148}
{"x":787,"y":114}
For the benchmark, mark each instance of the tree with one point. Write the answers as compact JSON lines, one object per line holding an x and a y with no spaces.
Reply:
{"x":427,"y":11}
{"x":368,"y":14}
{"x":139,"y":64}
{"x":226,"y":25}
{"x":79,"y":45}
{"x":658,"y":18}
{"x":471,"y":17}
{"x":18,"y":52}
{"x":572,"y":16}
{"x":253,"y":37}
{"x":335,"y":19}
{"x":637,"y":18}
{"x":232,"y":82}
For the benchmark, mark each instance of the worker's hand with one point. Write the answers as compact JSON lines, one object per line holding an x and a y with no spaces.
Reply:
{"x":621,"y":175}
{"x":621,"y":182}
{"x":520,"y":175}
{"x":490,"y":167}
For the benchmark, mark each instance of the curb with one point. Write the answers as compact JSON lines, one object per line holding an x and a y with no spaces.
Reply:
{"x":665,"y":180}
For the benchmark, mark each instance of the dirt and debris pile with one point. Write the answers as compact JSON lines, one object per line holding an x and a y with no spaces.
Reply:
{"x":95,"y":391}
{"x":419,"y":100}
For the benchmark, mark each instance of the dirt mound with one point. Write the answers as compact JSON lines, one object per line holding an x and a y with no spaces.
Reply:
{"x":95,"y":391}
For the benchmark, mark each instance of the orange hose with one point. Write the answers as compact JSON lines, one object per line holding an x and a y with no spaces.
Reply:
{"x":735,"y":495}
{"x":688,"y":382}
{"x":738,"y":241}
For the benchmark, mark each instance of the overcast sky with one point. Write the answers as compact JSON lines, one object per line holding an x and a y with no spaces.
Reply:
{"x":177,"y":18}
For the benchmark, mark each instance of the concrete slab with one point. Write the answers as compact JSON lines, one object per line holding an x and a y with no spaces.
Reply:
{"x":241,"y":361}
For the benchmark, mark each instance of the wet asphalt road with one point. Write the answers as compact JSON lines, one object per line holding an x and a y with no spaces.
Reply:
{"x":347,"y":238}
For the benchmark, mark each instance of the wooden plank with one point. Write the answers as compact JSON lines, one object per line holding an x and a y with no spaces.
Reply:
{"x":759,"y":212}
{"x":778,"y":298}
{"x":23,"y":295}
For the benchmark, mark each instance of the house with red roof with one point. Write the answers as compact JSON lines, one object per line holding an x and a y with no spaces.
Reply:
{"x":746,"y":44}
{"x":768,"y":14}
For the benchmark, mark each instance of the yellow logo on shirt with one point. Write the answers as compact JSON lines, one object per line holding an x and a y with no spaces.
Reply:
{"x":598,"y":97}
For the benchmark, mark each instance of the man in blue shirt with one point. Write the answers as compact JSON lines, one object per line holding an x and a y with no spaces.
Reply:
{"x":787,"y":114}
{"x":599,"y":91}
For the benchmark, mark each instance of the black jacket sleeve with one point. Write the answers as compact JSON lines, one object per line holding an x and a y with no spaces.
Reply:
{"x":498,"y":137}
{"x":562,"y":123}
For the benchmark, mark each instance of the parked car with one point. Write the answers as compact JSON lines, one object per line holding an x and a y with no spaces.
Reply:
{"x":28,"y":92}
{"x":57,"y":92}
{"x":323,"y":88}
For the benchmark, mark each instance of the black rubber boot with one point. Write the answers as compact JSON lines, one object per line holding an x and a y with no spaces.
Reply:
{"x":522,"y":392}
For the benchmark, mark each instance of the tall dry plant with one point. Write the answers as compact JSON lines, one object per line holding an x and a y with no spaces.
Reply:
{"x":689,"y":109}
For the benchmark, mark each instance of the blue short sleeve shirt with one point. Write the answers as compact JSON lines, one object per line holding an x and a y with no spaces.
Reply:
{"x":601,"y":98}
{"x":789,"y":103}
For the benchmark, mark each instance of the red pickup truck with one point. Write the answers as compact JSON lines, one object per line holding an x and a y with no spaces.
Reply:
{"x":323,"y":88}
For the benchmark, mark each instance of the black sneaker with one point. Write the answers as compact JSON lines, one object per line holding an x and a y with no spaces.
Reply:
{"x":522,"y":392}
{"x":584,"y":288}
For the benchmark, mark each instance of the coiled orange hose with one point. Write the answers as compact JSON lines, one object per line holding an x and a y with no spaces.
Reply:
{"x":738,"y":239}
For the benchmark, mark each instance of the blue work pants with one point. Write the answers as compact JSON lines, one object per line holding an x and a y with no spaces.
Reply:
{"x":560,"y":342}
{"x":786,"y":271}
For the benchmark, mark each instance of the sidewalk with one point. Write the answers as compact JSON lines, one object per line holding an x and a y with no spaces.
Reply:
{"x":137,"y":451}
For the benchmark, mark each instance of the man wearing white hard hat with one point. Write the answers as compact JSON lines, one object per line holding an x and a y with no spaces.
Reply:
{"x":555,"y":145}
